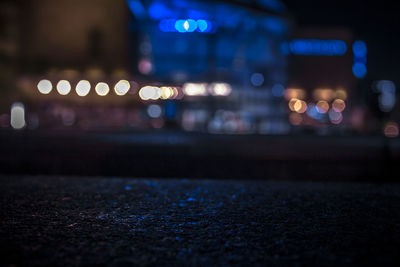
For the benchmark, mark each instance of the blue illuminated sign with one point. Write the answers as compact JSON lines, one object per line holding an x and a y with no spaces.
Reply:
{"x":359,"y":70}
{"x":360,"y":59}
{"x":314,"y":47}
{"x":359,"y":49}
{"x":185,"y":25}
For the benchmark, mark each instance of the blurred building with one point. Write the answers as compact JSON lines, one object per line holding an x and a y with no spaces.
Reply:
{"x":72,"y":34}
{"x":200,"y":43}
{"x":323,"y":77}
{"x":321,"y":57}
{"x":9,"y":42}
{"x":212,"y":66}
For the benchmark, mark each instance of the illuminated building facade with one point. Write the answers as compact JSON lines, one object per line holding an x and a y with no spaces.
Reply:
{"x":195,"y":44}
{"x":323,"y":76}
{"x":211,"y":66}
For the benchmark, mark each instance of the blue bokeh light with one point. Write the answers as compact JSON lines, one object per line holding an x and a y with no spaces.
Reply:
{"x":180,"y":25}
{"x":359,"y":70}
{"x":278,"y":90}
{"x":158,"y":10}
{"x":312,"y":111}
{"x":315,"y":47}
{"x":167,"y":25}
{"x":359,"y":49}
{"x":257,"y":79}
{"x":203,"y":25}
{"x":185,"y":25}
{"x":360,"y":59}
{"x":170,"y":110}
{"x":137,"y":9}
{"x":192,"y":25}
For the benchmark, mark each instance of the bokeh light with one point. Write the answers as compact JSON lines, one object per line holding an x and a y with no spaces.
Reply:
{"x":294,"y":93}
{"x":359,"y":49}
{"x":122,"y":87}
{"x":315,"y":47}
{"x":322,"y":106}
{"x":150,"y":93}
{"x":297,"y":105}
{"x":341,"y":94}
{"x":17,"y":115}
{"x":185,"y":25}
{"x":312,"y":112}
{"x":83,"y":88}
{"x":278,"y":90}
{"x":391,"y":130}
{"x":300,"y":106}
{"x":44,"y":87}
{"x":359,"y":70}
{"x":195,"y":89}
{"x":102,"y":89}
{"x":295,"y":118}
{"x":220,"y":89}
{"x":291,"y":103}
{"x":335,"y":117}
{"x":145,"y":66}
{"x":204,"y":25}
{"x":338,"y":105}
{"x":387,"y":97}
{"x":257,"y":79}
{"x":154,"y":111}
{"x":167,"y":92}
{"x":63,"y":87}
{"x":323,"y":94}
{"x":188,"y":25}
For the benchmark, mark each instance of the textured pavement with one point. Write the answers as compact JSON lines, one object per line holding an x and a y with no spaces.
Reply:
{"x":119,"y":222}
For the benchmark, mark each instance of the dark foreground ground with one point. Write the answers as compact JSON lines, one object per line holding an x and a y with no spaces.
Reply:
{"x":88,"y":221}
{"x":170,"y":154}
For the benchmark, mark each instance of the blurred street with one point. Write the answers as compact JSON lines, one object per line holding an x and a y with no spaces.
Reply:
{"x":71,"y":221}
{"x":199,"y":133}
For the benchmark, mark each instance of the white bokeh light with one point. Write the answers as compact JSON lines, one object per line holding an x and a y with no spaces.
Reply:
{"x":17,"y":117}
{"x":195,"y":89}
{"x":83,"y":88}
{"x":45,"y":87}
{"x":102,"y":89}
{"x":122,"y":87}
{"x":63,"y":87}
{"x":150,"y":92}
{"x":220,"y":89}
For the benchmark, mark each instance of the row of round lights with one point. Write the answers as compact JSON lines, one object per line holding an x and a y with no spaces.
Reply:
{"x":297,"y":118}
{"x":322,"y":106}
{"x":83,"y":87}
{"x":204,"y":89}
{"x":154,"y":92}
{"x":147,"y":92}
{"x":189,"y":89}
{"x":185,"y":25}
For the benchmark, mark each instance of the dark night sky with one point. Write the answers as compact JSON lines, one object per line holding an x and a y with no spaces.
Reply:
{"x":375,"y":22}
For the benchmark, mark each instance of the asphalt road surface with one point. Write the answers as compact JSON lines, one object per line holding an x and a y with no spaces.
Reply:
{"x":68,"y":221}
